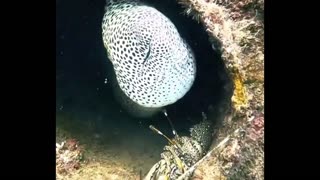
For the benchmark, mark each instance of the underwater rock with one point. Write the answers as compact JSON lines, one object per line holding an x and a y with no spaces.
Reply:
{"x":237,"y":31}
{"x":69,"y":157}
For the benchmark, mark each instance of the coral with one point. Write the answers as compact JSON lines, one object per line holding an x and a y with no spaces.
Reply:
{"x":237,"y":32}
{"x":237,"y":156}
{"x":68,"y":157}
{"x":239,"y":97}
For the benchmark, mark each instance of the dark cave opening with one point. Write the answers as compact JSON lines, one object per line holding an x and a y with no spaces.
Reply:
{"x":82,"y":67}
{"x":211,"y":78}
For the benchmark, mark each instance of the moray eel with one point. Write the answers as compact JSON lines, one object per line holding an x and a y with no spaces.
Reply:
{"x":153,"y":66}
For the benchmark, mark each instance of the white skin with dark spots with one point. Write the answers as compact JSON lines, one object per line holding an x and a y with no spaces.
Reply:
{"x":154,"y":66}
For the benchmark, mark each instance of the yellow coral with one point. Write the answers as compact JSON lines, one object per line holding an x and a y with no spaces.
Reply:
{"x":239,"y":98}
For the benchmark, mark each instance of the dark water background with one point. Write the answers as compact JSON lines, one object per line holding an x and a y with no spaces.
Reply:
{"x":82,"y":66}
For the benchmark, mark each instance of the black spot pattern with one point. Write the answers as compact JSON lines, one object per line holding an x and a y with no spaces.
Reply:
{"x":154,"y":66}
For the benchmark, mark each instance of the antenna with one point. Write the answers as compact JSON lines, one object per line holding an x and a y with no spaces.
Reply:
{"x":160,"y":133}
{"x":173,"y":142}
{"x":171,"y":124}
